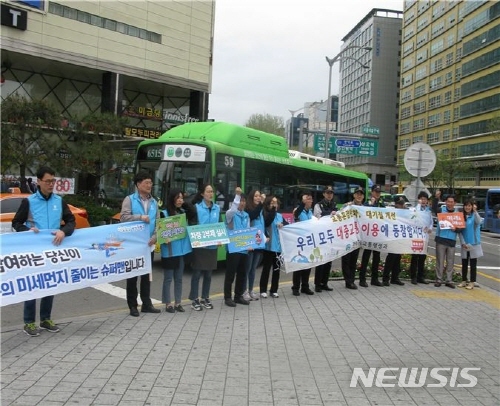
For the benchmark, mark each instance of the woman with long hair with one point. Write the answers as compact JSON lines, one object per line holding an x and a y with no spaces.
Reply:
{"x":204,"y":259}
{"x":173,"y":253}
{"x":470,"y":242}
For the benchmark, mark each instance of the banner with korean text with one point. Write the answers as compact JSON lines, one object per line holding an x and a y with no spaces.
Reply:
{"x":171,"y":228}
{"x":32,"y":267}
{"x":206,"y":235}
{"x":314,"y":242}
{"x":245,"y":239}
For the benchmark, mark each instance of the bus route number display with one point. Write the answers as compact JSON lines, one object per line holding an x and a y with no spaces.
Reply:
{"x":228,"y":162}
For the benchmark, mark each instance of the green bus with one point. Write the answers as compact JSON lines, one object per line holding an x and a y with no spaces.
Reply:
{"x":227,"y":155}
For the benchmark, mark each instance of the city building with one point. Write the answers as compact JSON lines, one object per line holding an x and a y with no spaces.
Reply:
{"x":369,"y":92}
{"x":450,"y":86}
{"x":148,"y":60}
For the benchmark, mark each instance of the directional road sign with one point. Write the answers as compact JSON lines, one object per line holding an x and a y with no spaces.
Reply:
{"x":362,"y":146}
{"x":371,"y":130}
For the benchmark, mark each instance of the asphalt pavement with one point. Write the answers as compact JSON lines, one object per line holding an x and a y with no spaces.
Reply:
{"x":286,"y":351}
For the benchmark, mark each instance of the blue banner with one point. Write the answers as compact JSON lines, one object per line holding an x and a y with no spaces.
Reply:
{"x":206,"y":235}
{"x":32,"y":267}
{"x":246,"y":239}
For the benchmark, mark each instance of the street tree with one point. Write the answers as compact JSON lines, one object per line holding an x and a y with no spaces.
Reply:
{"x":25,"y":144}
{"x":267,"y":123}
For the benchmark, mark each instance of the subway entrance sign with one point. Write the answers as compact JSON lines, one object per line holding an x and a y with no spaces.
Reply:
{"x":347,"y":146}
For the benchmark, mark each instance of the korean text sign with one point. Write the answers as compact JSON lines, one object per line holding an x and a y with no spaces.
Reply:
{"x":171,"y":228}
{"x":32,"y":267}
{"x":245,"y":239}
{"x":206,"y":235}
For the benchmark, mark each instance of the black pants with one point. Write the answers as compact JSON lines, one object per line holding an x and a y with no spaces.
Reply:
{"x":322,"y":274}
{"x":473,"y":268}
{"x":417,"y":267}
{"x":392,"y":267}
{"x":301,"y":278}
{"x":145,"y":291}
{"x":364,"y":264}
{"x":349,"y":262}
{"x":270,"y":261}
{"x":236,"y":265}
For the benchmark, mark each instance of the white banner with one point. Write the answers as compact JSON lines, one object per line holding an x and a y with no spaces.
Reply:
{"x":314,"y":242}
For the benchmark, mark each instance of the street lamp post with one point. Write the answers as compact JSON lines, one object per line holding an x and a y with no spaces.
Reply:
{"x":292,"y":112}
{"x":331,"y":61}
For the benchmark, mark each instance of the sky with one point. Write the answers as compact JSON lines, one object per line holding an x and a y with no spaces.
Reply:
{"x":269,"y":55}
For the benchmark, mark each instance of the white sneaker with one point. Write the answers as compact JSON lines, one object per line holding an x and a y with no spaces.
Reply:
{"x":462,"y":284}
{"x":476,"y":285}
{"x":254,"y":295}
{"x":263,"y":295}
{"x":470,"y":286}
{"x":274,"y":295}
{"x":247,"y":296}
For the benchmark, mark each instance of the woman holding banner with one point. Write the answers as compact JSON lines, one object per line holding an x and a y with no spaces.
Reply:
{"x":173,"y":253}
{"x":204,"y":259}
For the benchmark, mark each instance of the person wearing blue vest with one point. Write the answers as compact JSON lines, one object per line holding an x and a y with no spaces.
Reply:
{"x":254,"y":209}
{"x":418,"y":260}
{"x":41,"y":211}
{"x":141,"y":206}
{"x":303,"y":212}
{"x":236,"y":219}
{"x":204,"y":259}
{"x":274,"y":221}
{"x":173,"y":253}
{"x":446,"y":239}
{"x":470,"y":242}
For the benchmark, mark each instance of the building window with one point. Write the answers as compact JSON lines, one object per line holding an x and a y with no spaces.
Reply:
{"x":449,"y":59}
{"x":419,"y":124}
{"x":419,"y":107}
{"x":446,"y":135}
{"x":434,"y":120}
{"x":446,"y":116}
{"x":433,"y":138}
{"x":420,"y":91}
{"x":435,"y":102}
{"x":447,"y":97}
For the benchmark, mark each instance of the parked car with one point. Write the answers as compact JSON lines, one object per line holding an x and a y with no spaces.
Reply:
{"x":10,"y":202}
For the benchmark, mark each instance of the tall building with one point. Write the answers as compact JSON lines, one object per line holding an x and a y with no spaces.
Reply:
{"x":148,"y":60}
{"x":369,"y":90}
{"x":450,"y":85}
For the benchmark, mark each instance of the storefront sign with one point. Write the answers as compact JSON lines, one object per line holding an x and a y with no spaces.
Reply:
{"x":178,"y":118}
{"x":141,"y":132}
{"x":14,"y":17}
{"x":143,"y":112}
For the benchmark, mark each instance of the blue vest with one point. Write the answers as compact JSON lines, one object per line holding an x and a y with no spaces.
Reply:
{"x":138,"y":208}
{"x":175,"y":248}
{"x":45,"y":214}
{"x":208,"y":215}
{"x":274,"y":239}
{"x":448,"y":234}
{"x":306,"y":214}
{"x":472,"y":231}
{"x":259,"y":222}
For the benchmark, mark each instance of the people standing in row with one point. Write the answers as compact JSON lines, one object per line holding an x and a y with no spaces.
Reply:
{"x":374,"y":201}
{"x":418,"y":260}
{"x":204,"y":259}
{"x":326,"y":207}
{"x":392,"y":266}
{"x":446,"y":239}
{"x":43,"y":210}
{"x":174,"y":253}
{"x":236,"y":262}
{"x":349,"y":261}
{"x":301,"y":278}
{"x":470,"y":242}
{"x":273,"y":221}
{"x":254,"y":209}
{"x":141,"y":206}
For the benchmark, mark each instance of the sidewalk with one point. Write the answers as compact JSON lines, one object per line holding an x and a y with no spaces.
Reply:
{"x":286,"y":351}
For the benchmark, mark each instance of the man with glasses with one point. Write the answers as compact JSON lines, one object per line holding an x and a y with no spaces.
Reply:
{"x":325,"y":207}
{"x":141,"y":206}
{"x":43,"y":210}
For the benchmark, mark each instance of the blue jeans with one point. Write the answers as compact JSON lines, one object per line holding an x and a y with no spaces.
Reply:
{"x":45,"y":309}
{"x":253,"y":261}
{"x":176,"y":275}
{"x":195,"y":281}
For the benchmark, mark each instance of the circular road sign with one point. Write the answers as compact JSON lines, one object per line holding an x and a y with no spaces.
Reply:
{"x":420,"y":159}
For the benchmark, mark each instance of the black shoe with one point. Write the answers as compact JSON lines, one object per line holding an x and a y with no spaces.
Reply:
{"x":413,"y":281}
{"x":317,"y":289}
{"x":363,"y":284}
{"x":384,"y":283}
{"x":437,"y":284}
{"x":229,"y":302}
{"x":375,"y":282}
{"x":295,"y":292}
{"x":450,"y":285}
{"x":134,"y":312}
{"x":423,"y":281}
{"x":169,"y":309}
{"x":307,"y":291}
{"x":398,"y":282}
{"x":326,"y":287}
{"x":240,"y":300}
{"x":150,"y":309}
{"x":351,"y":286}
